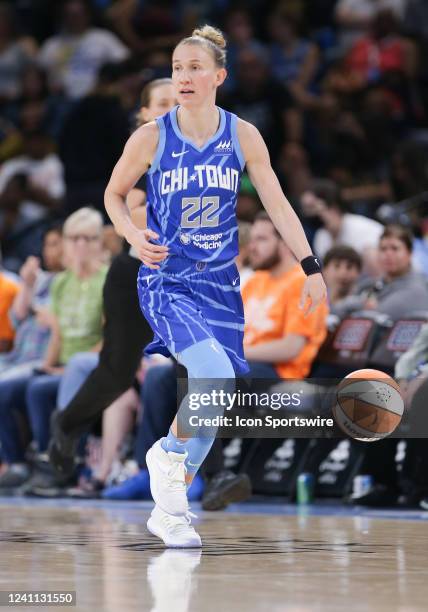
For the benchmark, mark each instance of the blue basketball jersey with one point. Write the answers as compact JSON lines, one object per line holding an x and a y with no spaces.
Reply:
{"x":192,"y":191}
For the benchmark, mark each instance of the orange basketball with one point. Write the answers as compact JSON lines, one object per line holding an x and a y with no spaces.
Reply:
{"x":369,"y":405}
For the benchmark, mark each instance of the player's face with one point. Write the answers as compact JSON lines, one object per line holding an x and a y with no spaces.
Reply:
{"x":394,"y":256}
{"x":195,"y":75}
{"x":161,"y":101}
{"x":264,"y":246}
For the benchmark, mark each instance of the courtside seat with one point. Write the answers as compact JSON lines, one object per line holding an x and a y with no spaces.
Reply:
{"x":349,"y":346}
{"x":397,"y":341}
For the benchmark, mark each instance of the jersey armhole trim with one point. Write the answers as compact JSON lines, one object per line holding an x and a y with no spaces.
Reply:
{"x":160,"y":148}
{"x":235,"y":139}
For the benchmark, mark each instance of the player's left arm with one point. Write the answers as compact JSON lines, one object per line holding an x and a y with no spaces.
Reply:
{"x":284,"y":218}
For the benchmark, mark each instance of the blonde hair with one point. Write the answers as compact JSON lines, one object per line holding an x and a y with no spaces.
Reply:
{"x":212,"y":39}
{"x":83,"y":219}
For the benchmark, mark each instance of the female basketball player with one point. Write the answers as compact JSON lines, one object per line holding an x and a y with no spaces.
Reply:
{"x":188,"y":283}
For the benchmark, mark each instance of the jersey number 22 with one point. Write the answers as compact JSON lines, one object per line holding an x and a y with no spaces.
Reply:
{"x":200,"y":212}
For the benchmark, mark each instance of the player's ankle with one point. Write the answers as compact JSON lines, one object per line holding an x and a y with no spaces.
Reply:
{"x":173,"y":444}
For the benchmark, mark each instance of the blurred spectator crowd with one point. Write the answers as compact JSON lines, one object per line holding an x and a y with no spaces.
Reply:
{"x":339,"y":91}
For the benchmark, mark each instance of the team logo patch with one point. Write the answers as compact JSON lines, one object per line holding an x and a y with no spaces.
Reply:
{"x":185,"y":238}
{"x":224,"y":146}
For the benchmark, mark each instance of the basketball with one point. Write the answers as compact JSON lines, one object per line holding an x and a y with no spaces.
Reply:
{"x":369,"y":405}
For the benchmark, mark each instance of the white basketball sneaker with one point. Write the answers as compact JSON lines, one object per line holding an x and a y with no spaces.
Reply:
{"x":167,"y":479}
{"x":175,"y":531}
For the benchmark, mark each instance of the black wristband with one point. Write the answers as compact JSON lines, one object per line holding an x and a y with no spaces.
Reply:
{"x":311,"y":265}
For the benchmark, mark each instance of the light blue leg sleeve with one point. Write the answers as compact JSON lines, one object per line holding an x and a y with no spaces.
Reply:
{"x":209,"y":368}
{"x":207,"y":359}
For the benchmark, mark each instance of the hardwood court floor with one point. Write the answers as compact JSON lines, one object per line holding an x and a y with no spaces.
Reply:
{"x":250,"y":561}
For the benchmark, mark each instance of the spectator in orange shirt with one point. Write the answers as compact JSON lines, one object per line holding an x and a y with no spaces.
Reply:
{"x":8,"y":291}
{"x":279,"y":340}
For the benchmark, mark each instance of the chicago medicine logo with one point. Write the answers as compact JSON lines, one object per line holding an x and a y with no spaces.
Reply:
{"x":185,"y":238}
{"x":224,"y":146}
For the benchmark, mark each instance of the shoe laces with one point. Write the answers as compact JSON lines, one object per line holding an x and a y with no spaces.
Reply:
{"x":179,"y":524}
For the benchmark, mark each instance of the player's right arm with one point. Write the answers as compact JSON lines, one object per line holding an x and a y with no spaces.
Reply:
{"x":136,"y":158}
{"x":136,"y":203}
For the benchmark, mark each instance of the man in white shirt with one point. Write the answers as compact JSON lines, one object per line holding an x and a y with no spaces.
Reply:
{"x":42,"y":167}
{"x":74,"y":56}
{"x":340,"y":227}
{"x":43,"y":171}
{"x":31,"y":186}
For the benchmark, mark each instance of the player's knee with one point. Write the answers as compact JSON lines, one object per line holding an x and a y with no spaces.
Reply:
{"x":220,"y":364}
{"x":207,"y":359}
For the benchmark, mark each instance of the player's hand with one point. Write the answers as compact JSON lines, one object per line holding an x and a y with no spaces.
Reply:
{"x":149,"y":253}
{"x":314,"y":292}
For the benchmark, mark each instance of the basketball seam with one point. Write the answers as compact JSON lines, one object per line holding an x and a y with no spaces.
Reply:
{"x":343,"y":396}
{"x":373,"y":434}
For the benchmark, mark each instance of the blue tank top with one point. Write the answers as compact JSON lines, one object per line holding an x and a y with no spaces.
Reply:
{"x":192,"y":191}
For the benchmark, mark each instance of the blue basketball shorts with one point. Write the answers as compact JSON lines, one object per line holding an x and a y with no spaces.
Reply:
{"x":188,"y":301}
